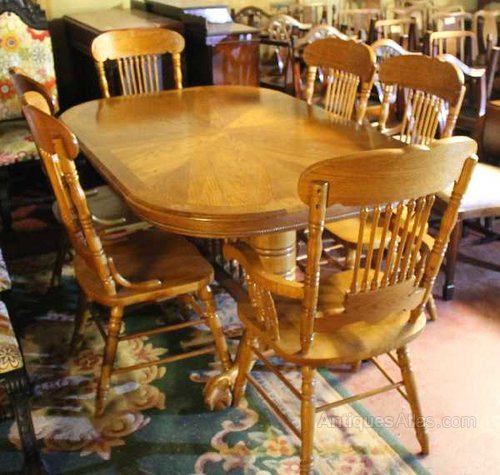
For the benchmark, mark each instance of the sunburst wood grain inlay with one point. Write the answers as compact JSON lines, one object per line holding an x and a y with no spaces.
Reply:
{"x":219,"y":161}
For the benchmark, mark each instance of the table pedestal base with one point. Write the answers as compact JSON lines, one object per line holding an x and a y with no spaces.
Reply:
{"x":278,"y":253}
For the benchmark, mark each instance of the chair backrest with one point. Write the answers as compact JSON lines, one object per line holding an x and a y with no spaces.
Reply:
{"x":394,"y":190}
{"x":485,"y":23}
{"x":462,"y":44}
{"x":474,"y":78}
{"x":418,"y":12}
{"x":138,"y":54}
{"x":358,"y":19}
{"x":386,"y":48}
{"x":319,"y":32}
{"x":25,"y":43}
{"x":395,"y":29}
{"x":32,"y":92}
{"x":281,"y":26}
{"x":433,"y":92}
{"x":58,"y":149}
{"x":447,"y":9}
{"x":450,"y":21}
{"x":252,"y":16}
{"x":348,"y":68}
{"x":297,"y":12}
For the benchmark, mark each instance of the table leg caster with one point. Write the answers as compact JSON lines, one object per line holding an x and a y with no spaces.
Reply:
{"x":218,"y":392}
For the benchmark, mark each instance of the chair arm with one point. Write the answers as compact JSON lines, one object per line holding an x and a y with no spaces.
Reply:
{"x":108,"y":222}
{"x":146,"y":285}
{"x":250,"y":261}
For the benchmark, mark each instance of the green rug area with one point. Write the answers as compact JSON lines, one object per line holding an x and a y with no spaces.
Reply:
{"x":156,"y":421}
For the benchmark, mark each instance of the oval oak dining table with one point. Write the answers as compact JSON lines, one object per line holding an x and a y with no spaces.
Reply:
{"x":217,"y":161}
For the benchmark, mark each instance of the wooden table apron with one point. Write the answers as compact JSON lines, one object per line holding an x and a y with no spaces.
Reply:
{"x":217,"y":161}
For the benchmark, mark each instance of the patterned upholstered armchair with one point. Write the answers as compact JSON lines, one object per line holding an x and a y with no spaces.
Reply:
{"x":24,"y":43}
{"x":14,"y":382}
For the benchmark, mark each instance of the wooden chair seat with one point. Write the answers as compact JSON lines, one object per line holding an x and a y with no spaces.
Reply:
{"x":483,"y":195}
{"x":148,"y":255}
{"x":348,"y":342}
{"x":347,"y":230}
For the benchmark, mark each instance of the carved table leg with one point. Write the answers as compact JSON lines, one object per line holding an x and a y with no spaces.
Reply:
{"x":17,"y":387}
{"x":278,"y":252}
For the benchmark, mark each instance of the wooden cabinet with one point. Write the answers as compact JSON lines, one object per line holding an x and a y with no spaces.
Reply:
{"x":218,"y":52}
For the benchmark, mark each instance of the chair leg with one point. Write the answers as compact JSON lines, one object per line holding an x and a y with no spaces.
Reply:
{"x":82,"y":315}
{"x":350,"y":257}
{"x":17,"y":387}
{"x":62,"y":250}
{"x":431,"y":308}
{"x":244,"y":361}
{"x":451,"y":261}
{"x":114,"y":327}
{"x":5,"y":202}
{"x":355,"y":367}
{"x":213,"y":321}
{"x":307,"y":420}
{"x":411,"y":391}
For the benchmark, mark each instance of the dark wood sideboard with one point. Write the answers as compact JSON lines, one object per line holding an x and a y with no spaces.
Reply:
{"x":82,"y":28}
{"x":216,"y":53}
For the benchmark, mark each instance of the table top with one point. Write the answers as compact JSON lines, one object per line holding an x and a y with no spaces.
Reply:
{"x":215,"y":161}
{"x":118,"y":19}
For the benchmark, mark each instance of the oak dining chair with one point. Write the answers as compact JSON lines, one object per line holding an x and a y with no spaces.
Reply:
{"x":316,"y":33}
{"x":432,"y":91}
{"x":401,"y":30}
{"x":482,"y":200}
{"x":348,"y":70}
{"x":462,"y":44}
{"x":485,"y":25}
{"x":450,"y":21}
{"x":356,"y":21}
{"x":138,"y":54}
{"x":108,"y":211}
{"x":383,"y":48}
{"x":476,"y":95}
{"x":419,"y":13}
{"x":276,"y":54}
{"x":145,"y":267}
{"x":376,"y":308}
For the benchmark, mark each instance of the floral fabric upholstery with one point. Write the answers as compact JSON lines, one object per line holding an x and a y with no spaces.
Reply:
{"x":10,"y":353}
{"x":26,"y":48}
{"x":16,"y":143}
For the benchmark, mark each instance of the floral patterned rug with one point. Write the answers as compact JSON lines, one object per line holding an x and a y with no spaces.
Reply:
{"x":156,"y":421}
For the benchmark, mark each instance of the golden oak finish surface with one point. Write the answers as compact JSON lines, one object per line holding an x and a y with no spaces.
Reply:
{"x":220,"y":161}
